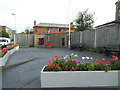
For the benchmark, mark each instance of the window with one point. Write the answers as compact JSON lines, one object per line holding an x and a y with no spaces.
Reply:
{"x":54,"y":29}
{"x":65,"y":29}
{"x":119,"y":12}
{"x":47,"y":29}
{"x":59,"y":29}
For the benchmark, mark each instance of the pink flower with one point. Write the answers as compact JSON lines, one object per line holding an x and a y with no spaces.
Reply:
{"x":62,"y":58}
{"x":62,"y":55}
{"x":56,"y":56}
{"x":113,"y":56}
{"x":72,"y":59}
{"x":49,"y":60}
{"x":4,"y":48}
{"x":76,"y":60}
{"x":116,"y":58}
{"x":70,"y":55}
{"x":103,"y":59}
{"x":52,"y":57}
{"x":97,"y":60}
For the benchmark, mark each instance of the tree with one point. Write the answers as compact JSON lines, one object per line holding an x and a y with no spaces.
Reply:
{"x":29,"y":31}
{"x":4,"y":34}
{"x":84,"y":21}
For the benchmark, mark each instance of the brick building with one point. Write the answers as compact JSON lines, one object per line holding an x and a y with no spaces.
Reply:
{"x":8,"y":30}
{"x":48,"y":28}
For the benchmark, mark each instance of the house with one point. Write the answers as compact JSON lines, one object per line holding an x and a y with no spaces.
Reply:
{"x":9,"y":31}
{"x":116,"y":22}
{"x":49,"y":28}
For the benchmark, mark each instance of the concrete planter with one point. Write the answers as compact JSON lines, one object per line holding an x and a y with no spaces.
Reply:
{"x":78,"y":79}
{"x":12,"y":51}
{"x":4,"y":59}
{"x":17,"y":48}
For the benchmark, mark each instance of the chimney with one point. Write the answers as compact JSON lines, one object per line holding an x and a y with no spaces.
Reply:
{"x":118,"y":10}
{"x":34,"y":22}
{"x":71,"y":23}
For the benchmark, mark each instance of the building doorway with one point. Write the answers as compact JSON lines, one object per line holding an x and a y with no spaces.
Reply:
{"x":41,"y":41}
{"x":63,"y":41}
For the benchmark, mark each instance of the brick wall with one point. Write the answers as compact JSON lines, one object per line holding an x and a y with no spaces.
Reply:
{"x":39,"y":30}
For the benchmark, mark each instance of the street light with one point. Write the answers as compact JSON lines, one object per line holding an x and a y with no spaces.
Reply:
{"x":15,"y":26}
{"x":69,"y":25}
{"x":15,"y":19}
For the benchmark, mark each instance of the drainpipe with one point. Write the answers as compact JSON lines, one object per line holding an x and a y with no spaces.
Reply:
{"x":118,"y":33}
{"x":95,"y":40}
{"x":81,"y":37}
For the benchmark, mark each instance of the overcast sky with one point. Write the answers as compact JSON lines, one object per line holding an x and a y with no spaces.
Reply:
{"x":52,"y":11}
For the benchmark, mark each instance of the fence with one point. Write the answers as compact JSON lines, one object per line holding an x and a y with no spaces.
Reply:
{"x":24,"y":40}
{"x":99,"y":37}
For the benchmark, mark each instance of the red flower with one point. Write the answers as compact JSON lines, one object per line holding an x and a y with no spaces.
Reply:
{"x":53,"y":64}
{"x":102,"y":62}
{"x":50,"y":44}
{"x":57,"y":66}
{"x":50,"y":63}
{"x":48,"y":66}
{"x":56,"y":58}
{"x":108,"y":62}
{"x":98,"y":62}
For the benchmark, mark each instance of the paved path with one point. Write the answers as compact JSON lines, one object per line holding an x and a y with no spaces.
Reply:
{"x":27,"y":74}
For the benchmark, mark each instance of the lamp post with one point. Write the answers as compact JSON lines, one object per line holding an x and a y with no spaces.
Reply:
{"x":15,"y":19}
{"x":15,"y":26}
{"x":69,"y":25}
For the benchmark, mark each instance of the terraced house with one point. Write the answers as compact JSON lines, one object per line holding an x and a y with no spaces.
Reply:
{"x":48,"y":28}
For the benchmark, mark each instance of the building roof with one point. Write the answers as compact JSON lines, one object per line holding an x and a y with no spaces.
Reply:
{"x":109,"y":23}
{"x":53,"y":25}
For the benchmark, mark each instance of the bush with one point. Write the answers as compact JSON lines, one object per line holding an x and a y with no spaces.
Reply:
{"x":4,"y":34}
{"x":68,"y":63}
{"x":99,"y":50}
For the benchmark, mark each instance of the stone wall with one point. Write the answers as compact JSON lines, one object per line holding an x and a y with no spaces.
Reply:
{"x":55,"y":39}
{"x":24,"y":40}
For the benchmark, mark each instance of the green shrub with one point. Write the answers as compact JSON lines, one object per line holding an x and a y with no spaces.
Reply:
{"x":89,"y":67}
{"x":99,"y":50}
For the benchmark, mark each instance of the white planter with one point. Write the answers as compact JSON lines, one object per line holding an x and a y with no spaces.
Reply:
{"x":4,"y":59}
{"x":78,"y":79}
{"x":17,"y":48}
{"x":12,"y":51}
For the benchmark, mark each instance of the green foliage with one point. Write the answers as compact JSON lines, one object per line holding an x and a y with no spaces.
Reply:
{"x":115,"y":65}
{"x":84,"y":21}
{"x":89,"y":67}
{"x":4,"y":34}
{"x":80,"y":67}
{"x":29,"y":31}
{"x":102,"y":67}
{"x":71,"y":65}
{"x":99,"y":50}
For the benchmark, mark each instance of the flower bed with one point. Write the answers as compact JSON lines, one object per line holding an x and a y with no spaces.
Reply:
{"x":46,"y":45}
{"x":69,"y":72}
{"x":6,"y":52}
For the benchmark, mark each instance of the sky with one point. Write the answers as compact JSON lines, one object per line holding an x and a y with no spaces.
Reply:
{"x":52,"y":11}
